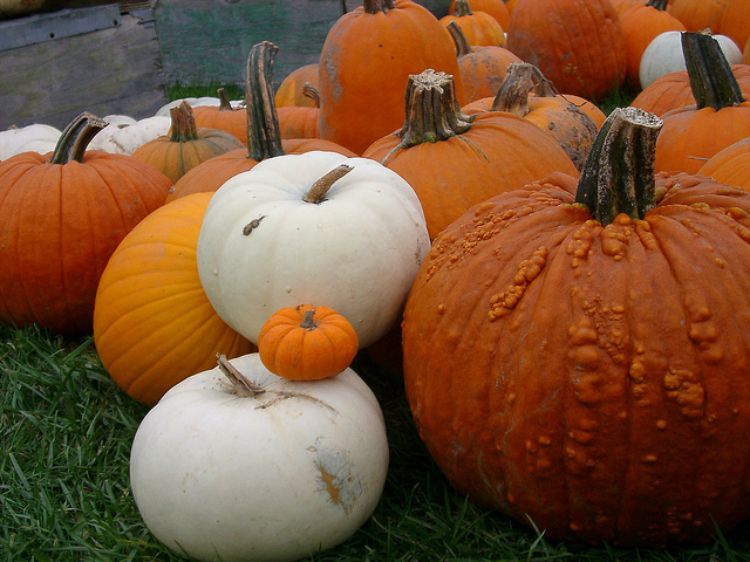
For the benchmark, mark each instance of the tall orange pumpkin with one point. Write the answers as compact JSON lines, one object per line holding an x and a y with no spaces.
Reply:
{"x":365,"y":64}
{"x":582,"y":362}
{"x":577,"y":44}
{"x":698,"y":15}
{"x":61,"y":217}
{"x":153,"y":324}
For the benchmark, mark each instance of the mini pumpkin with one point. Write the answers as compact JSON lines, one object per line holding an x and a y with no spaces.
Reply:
{"x":224,"y":117}
{"x":479,"y":28}
{"x":291,"y":90}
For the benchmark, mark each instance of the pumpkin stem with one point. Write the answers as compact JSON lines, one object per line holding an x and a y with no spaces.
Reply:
{"x":241,"y":385}
{"x":376,"y":6}
{"x":307,"y":322}
{"x":462,"y":45}
{"x":513,"y":95}
{"x":263,"y":134}
{"x":224,"y":103}
{"x":543,"y":86}
{"x":461,"y":8}
{"x":76,"y":137}
{"x":311,"y":92}
{"x":317,"y":192}
{"x":660,"y":5}
{"x":711,"y":79}
{"x":343,"y":7}
{"x":618,"y":176}
{"x":183,"y":127}
{"x":432,"y":110}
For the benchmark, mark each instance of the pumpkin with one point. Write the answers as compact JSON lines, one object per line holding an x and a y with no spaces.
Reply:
{"x":672,"y":90}
{"x":479,"y":28}
{"x":735,"y":21}
{"x":301,"y":122}
{"x":269,"y":469}
{"x":482,"y":68}
{"x":581,"y":362}
{"x":315,"y":227}
{"x":291,"y":90}
{"x":61,"y":217}
{"x":365,"y":63}
{"x":496,"y":8}
{"x":746,"y":53}
{"x":307,"y":342}
{"x":185,"y":146}
{"x":699,"y":15}
{"x":124,"y":134}
{"x":664,"y":55}
{"x":453,"y":160}
{"x":570,"y":127}
{"x":263,"y":132}
{"x":165,"y":110}
{"x":640,"y":25}
{"x":153,"y":325}
{"x":37,"y":138}
{"x":730,"y":165}
{"x":224,"y":117}
{"x":622,"y":6}
{"x":589,"y":62}
{"x":720,"y":116}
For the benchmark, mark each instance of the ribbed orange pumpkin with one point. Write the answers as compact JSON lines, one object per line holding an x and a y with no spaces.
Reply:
{"x":61,"y":217}
{"x":365,"y":64}
{"x":698,"y":15}
{"x":153,"y":324}
{"x":730,"y":165}
{"x":735,"y":21}
{"x":582,"y":363}
{"x":186,"y":146}
{"x":300,"y":122}
{"x":263,"y":132}
{"x":577,"y":44}
{"x":622,"y":6}
{"x":570,"y":127}
{"x":693,"y":134}
{"x":496,"y":8}
{"x":479,"y":28}
{"x":454,"y":161}
{"x":223,"y":117}
{"x":307,"y":342}
{"x":291,"y":89}
{"x":672,"y":90}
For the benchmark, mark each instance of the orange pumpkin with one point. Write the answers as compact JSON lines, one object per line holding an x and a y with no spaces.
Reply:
{"x":453,"y":160}
{"x":479,"y":28}
{"x":61,"y":217}
{"x":291,"y":89}
{"x":622,"y":6}
{"x":730,"y":165}
{"x":300,"y":122}
{"x":582,"y":362}
{"x":307,"y":342}
{"x":693,"y":134}
{"x":589,"y":62}
{"x":223,"y":117}
{"x":496,"y":8}
{"x":365,"y":64}
{"x":735,"y":21}
{"x":153,"y":324}
{"x":186,"y":146}
{"x":698,"y":15}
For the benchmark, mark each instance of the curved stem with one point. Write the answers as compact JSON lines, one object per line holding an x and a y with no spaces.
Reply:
{"x":543,"y":86}
{"x":224,"y":103}
{"x":343,"y":7}
{"x":263,"y":134}
{"x":461,"y":8}
{"x":711,"y":79}
{"x":462,"y":45}
{"x":311,"y":92}
{"x":513,"y":95}
{"x":307,"y":322}
{"x":317,"y":192}
{"x":376,"y":6}
{"x":619,"y":173}
{"x":183,"y":123}
{"x":76,"y":137}
{"x":241,"y":385}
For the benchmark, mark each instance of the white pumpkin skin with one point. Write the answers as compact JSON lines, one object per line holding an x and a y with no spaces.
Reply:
{"x":195,"y":102}
{"x":31,"y":138}
{"x":356,"y":252}
{"x":122,"y":137}
{"x":272,"y":477}
{"x":664,"y":55}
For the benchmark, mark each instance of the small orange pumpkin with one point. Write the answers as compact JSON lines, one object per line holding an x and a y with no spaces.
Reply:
{"x":480,"y":28}
{"x":223,"y":117}
{"x":291,"y":89}
{"x":307,"y":342}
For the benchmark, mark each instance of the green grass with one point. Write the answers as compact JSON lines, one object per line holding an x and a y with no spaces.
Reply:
{"x":64,"y":490}
{"x":178,"y":91}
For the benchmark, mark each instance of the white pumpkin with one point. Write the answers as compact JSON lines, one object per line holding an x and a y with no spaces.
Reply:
{"x":124,"y":134}
{"x":263,"y":247}
{"x":664,"y":55}
{"x":275,"y":476}
{"x":34,"y":138}
{"x":195,"y":102}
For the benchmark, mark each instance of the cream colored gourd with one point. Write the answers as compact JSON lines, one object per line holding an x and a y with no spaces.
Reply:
{"x":279,"y":475}
{"x":35,"y":138}
{"x":664,"y":55}
{"x":125,"y":134}
{"x":194,"y":102}
{"x":262,"y":247}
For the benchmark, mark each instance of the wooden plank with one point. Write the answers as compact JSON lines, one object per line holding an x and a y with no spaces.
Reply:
{"x":115,"y":70}
{"x":205,"y":42}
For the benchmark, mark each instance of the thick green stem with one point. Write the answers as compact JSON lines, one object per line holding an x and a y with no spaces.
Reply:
{"x":432,"y":110}
{"x":377,"y":6}
{"x":513,"y":95}
{"x":619,"y":174}
{"x":183,"y":127}
{"x":76,"y":137}
{"x":317,"y":192}
{"x":263,"y":134}
{"x":658,"y":4}
{"x":711,"y":79}
{"x":462,"y":45}
{"x":461,"y":8}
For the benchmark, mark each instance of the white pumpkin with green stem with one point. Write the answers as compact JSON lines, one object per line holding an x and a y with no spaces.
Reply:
{"x":237,"y":464}
{"x":353,"y":243}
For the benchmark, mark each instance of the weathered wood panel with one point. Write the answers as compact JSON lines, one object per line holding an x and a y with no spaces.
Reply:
{"x":115,"y":70}
{"x":206,"y":42}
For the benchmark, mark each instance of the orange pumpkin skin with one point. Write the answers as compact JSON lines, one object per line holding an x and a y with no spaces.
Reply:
{"x":290,"y":90}
{"x":480,"y":28}
{"x":746,"y":52}
{"x":496,"y":8}
{"x":622,"y":6}
{"x":735,"y":21}
{"x":365,"y":63}
{"x":483,"y":70}
{"x":299,"y":122}
{"x":232,"y":121}
{"x":307,"y":342}
{"x":586,"y":375}
{"x":59,"y":223}
{"x":672,"y":91}
{"x":697,"y":15}
{"x":577,"y":44}
{"x":730,"y":165}
{"x":153,"y":324}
